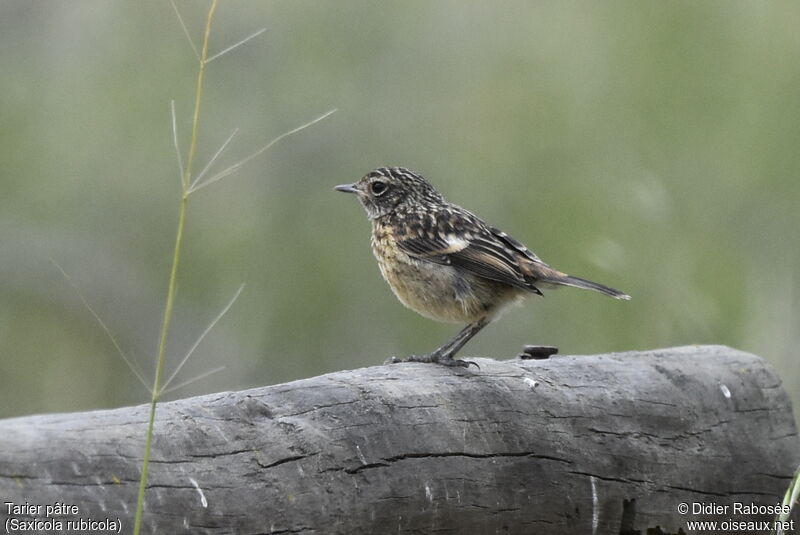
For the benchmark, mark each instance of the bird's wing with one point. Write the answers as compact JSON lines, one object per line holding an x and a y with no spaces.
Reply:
{"x":462,"y":240}
{"x":514,"y":244}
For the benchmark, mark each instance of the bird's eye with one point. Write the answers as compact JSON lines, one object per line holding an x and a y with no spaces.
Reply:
{"x":378,"y":187}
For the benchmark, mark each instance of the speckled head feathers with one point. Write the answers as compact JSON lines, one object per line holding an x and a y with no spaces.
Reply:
{"x":385,"y":189}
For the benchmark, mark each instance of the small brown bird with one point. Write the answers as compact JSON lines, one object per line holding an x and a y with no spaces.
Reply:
{"x":446,"y":263}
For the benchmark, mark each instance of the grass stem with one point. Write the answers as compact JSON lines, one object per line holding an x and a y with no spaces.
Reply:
{"x":173,"y":275}
{"x":188,"y":186}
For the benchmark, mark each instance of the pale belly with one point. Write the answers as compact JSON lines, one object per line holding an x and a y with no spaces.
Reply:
{"x":441,"y":292}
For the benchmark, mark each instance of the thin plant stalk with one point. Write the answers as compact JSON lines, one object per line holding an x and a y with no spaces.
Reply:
{"x":201,"y":337}
{"x":198,"y":98}
{"x":235,"y":167}
{"x":171,"y":289}
{"x":156,"y":391}
{"x":130,"y":362}
{"x":188,"y":186}
{"x":789,"y":500}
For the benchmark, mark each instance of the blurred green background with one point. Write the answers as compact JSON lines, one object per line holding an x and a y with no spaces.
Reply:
{"x":651,"y":146}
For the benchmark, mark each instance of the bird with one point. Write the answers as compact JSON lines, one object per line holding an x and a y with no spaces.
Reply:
{"x":447,"y":264}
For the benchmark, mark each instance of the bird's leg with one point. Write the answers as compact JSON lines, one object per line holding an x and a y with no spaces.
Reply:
{"x":445,"y":353}
{"x":448,"y":350}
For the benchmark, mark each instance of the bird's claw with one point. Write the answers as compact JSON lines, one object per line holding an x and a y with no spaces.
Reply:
{"x":433,"y":358}
{"x":459,"y":362}
{"x":413,"y":358}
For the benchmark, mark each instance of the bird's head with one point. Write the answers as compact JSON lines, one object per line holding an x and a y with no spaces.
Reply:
{"x":387,"y":189}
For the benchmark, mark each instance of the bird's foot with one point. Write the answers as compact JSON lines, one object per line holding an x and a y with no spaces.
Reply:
{"x":435,"y":358}
{"x":458,"y":362}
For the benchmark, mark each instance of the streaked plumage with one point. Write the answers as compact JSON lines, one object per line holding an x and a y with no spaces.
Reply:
{"x":443,"y":261}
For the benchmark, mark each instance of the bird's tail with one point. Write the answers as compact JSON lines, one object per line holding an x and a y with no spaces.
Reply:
{"x":577,"y":282}
{"x":552,"y":277}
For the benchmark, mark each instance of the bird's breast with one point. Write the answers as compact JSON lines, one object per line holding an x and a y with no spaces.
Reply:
{"x":436,"y":291}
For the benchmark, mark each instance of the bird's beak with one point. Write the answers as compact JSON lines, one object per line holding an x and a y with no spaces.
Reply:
{"x":347,"y":188}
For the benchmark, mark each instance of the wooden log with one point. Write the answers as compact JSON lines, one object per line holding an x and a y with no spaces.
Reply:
{"x":611,"y":443}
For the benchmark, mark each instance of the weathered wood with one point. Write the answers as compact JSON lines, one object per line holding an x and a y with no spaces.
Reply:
{"x":572,"y":444}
